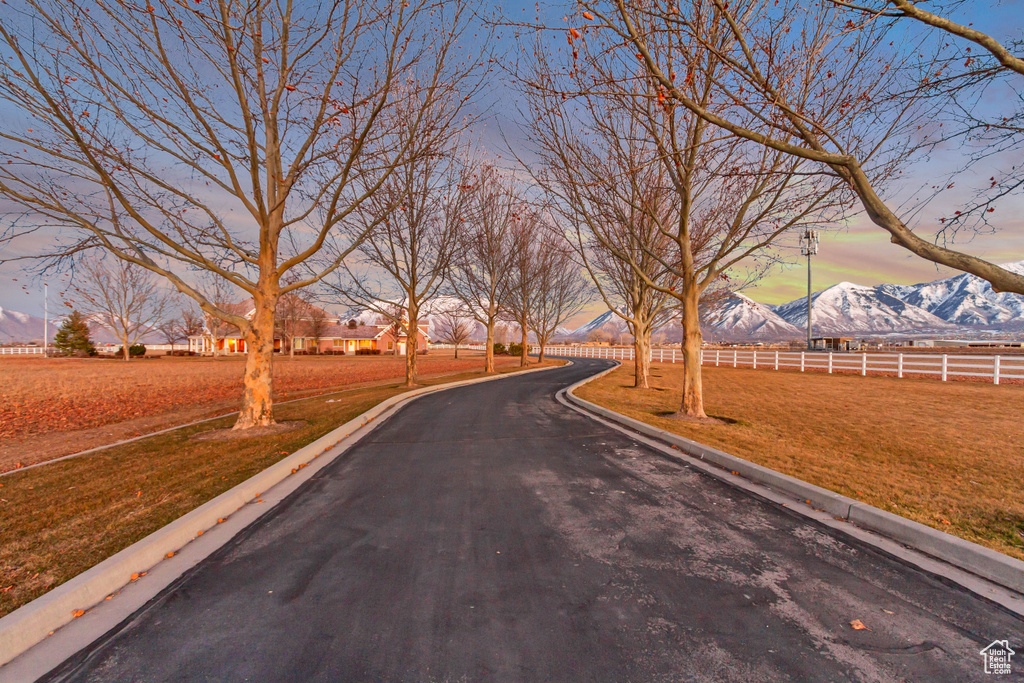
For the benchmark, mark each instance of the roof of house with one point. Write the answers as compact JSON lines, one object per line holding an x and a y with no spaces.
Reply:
{"x":357,"y":332}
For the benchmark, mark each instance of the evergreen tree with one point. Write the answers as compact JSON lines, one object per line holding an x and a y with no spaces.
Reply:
{"x":73,"y":336}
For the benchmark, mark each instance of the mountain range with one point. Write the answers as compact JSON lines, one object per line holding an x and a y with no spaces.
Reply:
{"x":958,"y":305}
{"x":962,"y":304}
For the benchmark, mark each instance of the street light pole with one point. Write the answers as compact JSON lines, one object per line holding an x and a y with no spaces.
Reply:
{"x":808,"y":248}
{"x":46,"y":321}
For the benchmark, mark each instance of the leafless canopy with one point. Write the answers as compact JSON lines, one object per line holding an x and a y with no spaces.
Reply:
{"x":216,"y":136}
{"x":831,"y":85}
{"x":122,"y":297}
{"x":560,"y":288}
{"x":411,"y":226}
{"x":482,"y":260}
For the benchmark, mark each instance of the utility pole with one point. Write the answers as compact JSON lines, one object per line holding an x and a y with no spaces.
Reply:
{"x":808,"y":248}
{"x":46,"y":321}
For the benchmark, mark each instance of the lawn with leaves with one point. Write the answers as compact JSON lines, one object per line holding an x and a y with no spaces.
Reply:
{"x":52,"y":407}
{"x":949,"y":455}
{"x":58,"y":520}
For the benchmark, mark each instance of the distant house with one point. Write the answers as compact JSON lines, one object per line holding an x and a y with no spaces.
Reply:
{"x":336,"y":337}
{"x":352,"y":338}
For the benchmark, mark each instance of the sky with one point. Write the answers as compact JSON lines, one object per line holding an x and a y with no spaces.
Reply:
{"x":858,"y":252}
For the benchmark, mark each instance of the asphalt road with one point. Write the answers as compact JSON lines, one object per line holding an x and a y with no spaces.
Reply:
{"x":490,"y":534}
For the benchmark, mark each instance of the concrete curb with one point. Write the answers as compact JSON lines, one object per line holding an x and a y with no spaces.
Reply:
{"x":1000,"y":569}
{"x":34,"y":622}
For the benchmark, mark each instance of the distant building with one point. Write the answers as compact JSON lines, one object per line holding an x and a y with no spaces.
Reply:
{"x":337,"y":337}
{"x":972,"y":343}
{"x":834,"y":344}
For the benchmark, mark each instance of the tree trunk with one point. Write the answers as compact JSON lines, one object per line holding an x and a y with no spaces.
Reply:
{"x":489,"y":348}
{"x":525,"y":351}
{"x":291,"y":349}
{"x":410,"y":346}
{"x":642,"y":360}
{"x":257,"y":404}
{"x":124,"y":350}
{"x":693,"y":388}
{"x":540,"y":358}
{"x":456,"y":350}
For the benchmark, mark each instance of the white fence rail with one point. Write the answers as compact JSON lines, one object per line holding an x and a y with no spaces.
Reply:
{"x":445,"y":345}
{"x":942,"y":366}
{"x":21,"y":350}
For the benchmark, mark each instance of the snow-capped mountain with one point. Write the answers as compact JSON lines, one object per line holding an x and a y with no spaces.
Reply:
{"x":965,"y":299}
{"x":607,"y":321}
{"x":741,"y":318}
{"x":17,"y":327}
{"x":850,"y":308}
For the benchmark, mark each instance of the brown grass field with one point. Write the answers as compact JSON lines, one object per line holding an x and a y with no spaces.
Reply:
{"x":949,"y":455}
{"x":53,"y":407}
{"x":58,"y":520}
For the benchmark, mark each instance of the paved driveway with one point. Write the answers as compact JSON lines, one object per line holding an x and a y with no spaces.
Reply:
{"x":490,"y":534}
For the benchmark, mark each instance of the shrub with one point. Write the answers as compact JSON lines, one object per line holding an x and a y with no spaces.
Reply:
{"x":134,"y":351}
{"x":499,"y":349}
{"x":515,"y":349}
{"x":367,"y":352}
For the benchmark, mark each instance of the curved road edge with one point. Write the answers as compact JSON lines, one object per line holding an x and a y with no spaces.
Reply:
{"x":43,"y":633}
{"x":988,"y":574}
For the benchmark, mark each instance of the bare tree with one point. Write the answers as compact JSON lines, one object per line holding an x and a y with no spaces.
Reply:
{"x":561,"y":290}
{"x":455,"y":326}
{"x":316,"y":326}
{"x":483,"y":258}
{"x":616,"y":205}
{"x":522,"y":276}
{"x":393,"y":316}
{"x":820,"y":87}
{"x":221,"y":294}
{"x":225,"y":138}
{"x":712,"y":201}
{"x":190,"y":322}
{"x":291,"y":319}
{"x":122,"y":297}
{"x":415,"y":215}
{"x":170,"y":328}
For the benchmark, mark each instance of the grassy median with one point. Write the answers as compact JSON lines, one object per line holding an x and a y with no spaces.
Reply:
{"x":949,"y":455}
{"x":58,"y":520}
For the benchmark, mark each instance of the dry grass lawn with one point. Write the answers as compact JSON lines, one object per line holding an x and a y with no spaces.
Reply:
{"x":52,"y":407}
{"x":949,"y":455}
{"x":58,"y":520}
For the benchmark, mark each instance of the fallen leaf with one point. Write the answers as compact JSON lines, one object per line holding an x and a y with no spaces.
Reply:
{"x":946,"y":521}
{"x":170,"y":554}
{"x":135,"y":577}
{"x":199,"y":533}
{"x":221,"y":520}
{"x":77,"y":613}
{"x":858,"y":625}
{"x":888,"y":612}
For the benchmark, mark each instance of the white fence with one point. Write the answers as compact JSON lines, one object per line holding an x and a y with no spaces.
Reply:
{"x":445,"y":345}
{"x":943,"y":366}
{"x":21,"y":350}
